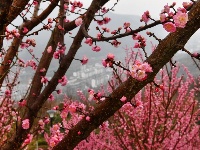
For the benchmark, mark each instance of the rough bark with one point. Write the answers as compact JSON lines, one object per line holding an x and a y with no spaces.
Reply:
{"x":4,"y":10}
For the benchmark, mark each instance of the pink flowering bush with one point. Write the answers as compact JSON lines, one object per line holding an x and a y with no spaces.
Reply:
{"x":162,"y":115}
{"x":165,"y":119}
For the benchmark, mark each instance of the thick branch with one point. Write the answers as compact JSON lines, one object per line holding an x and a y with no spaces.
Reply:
{"x":11,"y":53}
{"x":4,"y":7}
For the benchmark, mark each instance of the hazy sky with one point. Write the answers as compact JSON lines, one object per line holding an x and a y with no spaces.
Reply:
{"x":137,"y":7}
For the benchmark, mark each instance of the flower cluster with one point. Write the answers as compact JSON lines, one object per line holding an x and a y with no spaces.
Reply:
{"x":108,"y":62}
{"x":60,"y":51}
{"x":96,"y":48}
{"x":32,"y":64}
{"x":145,"y":17}
{"x":11,"y":34}
{"x":44,"y":80}
{"x":139,"y":70}
{"x":90,"y":43}
{"x":28,"y":140}
{"x":27,"y":43}
{"x":115,"y":43}
{"x":94,"y":96}
{"x":63,"y":81}
{"x":105,"y":20}
{"x":75,"y":4}
{"x":141,"y":41}
{"x":174,"y":20}
{"x":55,"y":137}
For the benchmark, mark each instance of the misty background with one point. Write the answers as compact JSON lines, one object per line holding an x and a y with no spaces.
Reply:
{"x":93,"y":74}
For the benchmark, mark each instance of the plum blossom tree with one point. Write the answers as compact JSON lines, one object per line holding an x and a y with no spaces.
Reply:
{"x":158,"y":117}
{"x":19,"y":129}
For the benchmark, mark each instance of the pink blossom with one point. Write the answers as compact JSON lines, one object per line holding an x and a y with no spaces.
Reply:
{"x":59,"y":91}
{"x":128,"y":30}
{"x":25,"y":124}
{"x":50,"y":20}
{"x":123,"y":99}
{"x":169,"y":27}
{"x":72,"y":108}
{"x":96,"y":48}
{"x":42,"y":70}
{"x":180,"y":19}
{"x":186,"y":5}
{"x":146,"y":67}
{"x":104,"y":125}
{"x":137,"y":45}
{"x":89,"y":41}
{"x":78,"y":21}
{"x":44,"y":79}
{"x":116,"y":43}
{"x":100,"y":22}
{"x":66,"y":20}
{"x":60,"y":28}
{"x":25,"y":30}
{"x":22,"y":103}
{"x":114,"y":32}
{"x":8,"y":93}
{"x":106,"y":20}
{"x":106,"y":29}
{"x":139,"y":103}
{"x":46,"y":121}
{"x":99,"y":36}
{"x":141,"y":75}
{"x":35,"y":2}
{"x":145,"y":16}
{"x":51,"y":97}
{"x":66,"y":6}
{"x":183,"y":10}
{"x":63,"y":81}
{"x":166,"y":9}
{"x":104,"y":10}
{"x":56,"y":54}
{"x":23,"y":45}
{"x":79,"y":132}
{"x":111,"y":56}
{"x":84,"y":60}
{"x":196,"y":55}
{"x":73,"y":8}
{"x":16,"y":33}
{"x":87,"y":118}
{"x":41,"y":123}
{"x":139,"y":70}
{"x":32,"y":64}
{"x":104,"y":63}
{"x":126,"y":25}
{"x":162,"y":17}
{"x":28,"y":139}
{"x":91,"y":94}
